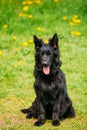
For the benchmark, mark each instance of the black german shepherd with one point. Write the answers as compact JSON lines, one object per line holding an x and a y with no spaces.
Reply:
{"x":52,"y":100}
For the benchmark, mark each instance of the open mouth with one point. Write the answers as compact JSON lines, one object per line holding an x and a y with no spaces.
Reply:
{"x":46,"y":70}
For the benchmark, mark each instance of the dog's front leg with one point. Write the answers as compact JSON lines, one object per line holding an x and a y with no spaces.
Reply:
{"x":41,"y":117}
{"x":56,"y":111}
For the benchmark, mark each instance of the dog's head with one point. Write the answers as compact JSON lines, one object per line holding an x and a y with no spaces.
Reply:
{"x":47,"y":55}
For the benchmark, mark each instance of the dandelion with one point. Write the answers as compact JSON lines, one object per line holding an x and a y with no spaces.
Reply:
{"x":30,"y":41}
{"x":56,"y":0}
{"x":64,"y":18}
{"x":72,"y":32}
{"x":25,"y":15}
{"x":46,"y":41}
{"x":77,"y":33}
{"x":20,"y":14}
{"x":77,"y":21}
{"x":14,"y":37}
{"x":25,"y":44}
{"x":29,"y":2}
{"x":37,"y":1}
{"x":40,"y":29}
{"x":24,"y":3}
{"x":29,"y":16}
{"x":25,"y":8}
{"x":5,"y":26}
{"x":75,"y":16}
{"x":1,"y":53}
{"x":71,"y":23}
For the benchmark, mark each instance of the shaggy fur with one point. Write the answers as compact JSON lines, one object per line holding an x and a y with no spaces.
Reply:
{"x":52,"y":100}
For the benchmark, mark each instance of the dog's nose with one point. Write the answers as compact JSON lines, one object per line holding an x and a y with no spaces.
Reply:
{"x":45,"y":64}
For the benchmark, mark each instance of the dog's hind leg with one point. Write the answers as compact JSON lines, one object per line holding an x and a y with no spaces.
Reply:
{"x":31,"y":111}
{"x":71,"y":112}
{"x":28,"y":112}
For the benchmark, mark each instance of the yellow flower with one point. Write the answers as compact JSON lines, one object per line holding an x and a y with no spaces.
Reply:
{"x":75,"y":16}
{"x":25,"y":15}
{"x":56,"y":0}
{"x":5,"y":26}
{"x":77,"y":33}
{"x":24,"y":3}
{"x":77,"y":21}
{"x":14,"y":37}
{"x":20,"y":14}
{"x":72,"y":32}
{"x":37,"y":1}
{"x":29,"y":2}
{"x":30,"y":41}
{"x":29,"y":16}
{"x":46,"y":41}
{"x":25,"y":8}
{"x":25,"y":44}
{"x":71,"y":23}
{"x":64,"y":18}
{"x":1,"y":53}
{"x":40,"y":29}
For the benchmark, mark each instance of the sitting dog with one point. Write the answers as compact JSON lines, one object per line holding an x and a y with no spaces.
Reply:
{"x":52,"y":100}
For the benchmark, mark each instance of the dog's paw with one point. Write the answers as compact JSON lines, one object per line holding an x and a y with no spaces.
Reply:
{"x":38,"y":123}
{"x":56,"y":123}
{"x":62,"y":118}
{"x":28,"y":116}
{"x":24,"y":111}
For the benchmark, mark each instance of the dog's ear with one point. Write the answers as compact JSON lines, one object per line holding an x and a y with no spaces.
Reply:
{"x":54,"y":41}
{"x":38,"y":42}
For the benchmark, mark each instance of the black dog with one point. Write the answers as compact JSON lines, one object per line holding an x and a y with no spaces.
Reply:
{"x":52,"y":100}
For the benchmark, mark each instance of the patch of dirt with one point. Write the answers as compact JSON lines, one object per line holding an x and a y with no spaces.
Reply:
{"x":11,"y":119}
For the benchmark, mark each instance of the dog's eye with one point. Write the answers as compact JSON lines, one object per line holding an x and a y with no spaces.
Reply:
{"x":48,"y":53}
{"x":42,"y":53}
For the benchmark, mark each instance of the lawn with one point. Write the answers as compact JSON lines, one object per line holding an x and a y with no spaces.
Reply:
{"x":19,"y":21}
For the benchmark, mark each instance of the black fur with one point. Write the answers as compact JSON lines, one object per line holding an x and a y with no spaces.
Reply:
{"x":52,"y":100}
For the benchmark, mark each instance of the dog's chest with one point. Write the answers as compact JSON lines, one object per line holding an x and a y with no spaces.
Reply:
{"x":49,"y":87}
{"x":49,"y":92}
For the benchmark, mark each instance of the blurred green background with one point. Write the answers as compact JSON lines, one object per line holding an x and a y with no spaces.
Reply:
{"x":19,"y":21}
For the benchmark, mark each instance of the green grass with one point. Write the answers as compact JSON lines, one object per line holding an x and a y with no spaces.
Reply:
{"x":17,"y":58}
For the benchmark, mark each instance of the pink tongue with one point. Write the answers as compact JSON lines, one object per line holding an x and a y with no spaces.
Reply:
{"x":46,"y":70}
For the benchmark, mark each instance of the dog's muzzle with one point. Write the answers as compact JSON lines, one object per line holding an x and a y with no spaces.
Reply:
{"x":46,"y":68}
